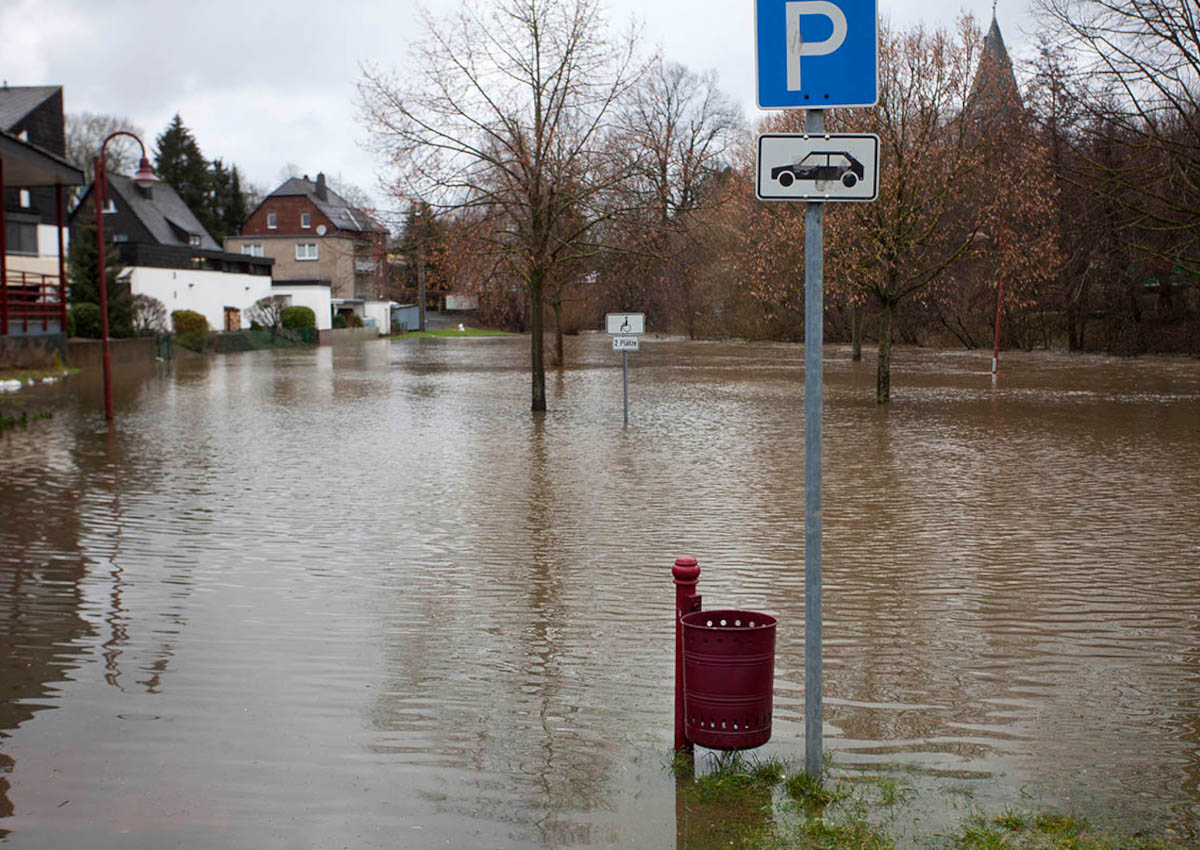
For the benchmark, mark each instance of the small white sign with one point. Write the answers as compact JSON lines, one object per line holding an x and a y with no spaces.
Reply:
{"x":625,"y":323}
{"x":625,"y":343}
{"x":817,"y":167}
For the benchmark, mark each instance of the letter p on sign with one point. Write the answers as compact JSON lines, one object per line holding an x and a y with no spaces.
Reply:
{"x":797,"y":46}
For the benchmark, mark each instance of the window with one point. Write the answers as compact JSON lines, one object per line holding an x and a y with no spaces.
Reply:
{"x":109,"y":206}
{"x":252,"y":249}
{"x":22,"y":237}
{"x":306,"y":250}
{"x":272,"y":221}
{"x":24,"y":198}
{"x":194,"y":240}
{"x":120,"y":237}
{"x":23,"y":135}
{"x":306,"y":219}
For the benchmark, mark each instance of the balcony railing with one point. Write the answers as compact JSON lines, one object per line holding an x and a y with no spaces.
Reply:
{"x":31,"y":302}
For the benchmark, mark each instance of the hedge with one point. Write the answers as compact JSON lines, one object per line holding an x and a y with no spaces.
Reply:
{"x":297,"y":317}
{"x":84,"y":320}
{"x":189,"y":322}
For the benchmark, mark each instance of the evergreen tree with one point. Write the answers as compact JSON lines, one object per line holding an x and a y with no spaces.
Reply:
{"x":179,"y":162}
{"x":236,"y":212}
{"x":82,"y":263}
{"x":216,"y":208}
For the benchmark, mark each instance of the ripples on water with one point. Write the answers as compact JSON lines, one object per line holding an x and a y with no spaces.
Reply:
{"x":359,"y":596}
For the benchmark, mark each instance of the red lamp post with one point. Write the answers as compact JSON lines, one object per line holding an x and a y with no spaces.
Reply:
{"x":144,"y":177}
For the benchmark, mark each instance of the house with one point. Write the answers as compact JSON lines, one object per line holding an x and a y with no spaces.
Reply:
{"x":319,"y":240}
{"x":167,"y":254}
{"x":34,"y":176}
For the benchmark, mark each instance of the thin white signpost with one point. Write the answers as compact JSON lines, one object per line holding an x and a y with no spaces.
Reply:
{"x":625,"y":329}
{"x":814,"y":55}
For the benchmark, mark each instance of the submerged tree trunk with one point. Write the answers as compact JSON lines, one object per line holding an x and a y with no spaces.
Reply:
{"x":883,"y":374}
{"x":536,"y":327}
{"x":856,"y":326}
{"x":556,"y":303}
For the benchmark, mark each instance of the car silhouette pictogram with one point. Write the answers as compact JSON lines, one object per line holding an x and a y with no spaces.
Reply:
{"x":821,"y":167}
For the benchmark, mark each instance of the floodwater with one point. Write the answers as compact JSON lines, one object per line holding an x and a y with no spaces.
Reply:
{"x":360,"y":597}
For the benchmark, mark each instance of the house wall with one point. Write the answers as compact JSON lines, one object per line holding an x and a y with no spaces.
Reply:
{"x":334,"y":263}
{"x":288,"y":209}
{"x":316,"y":298}
{"x":206,"y":292}
{"x":381,"y":312}
{"x":46,"y":261}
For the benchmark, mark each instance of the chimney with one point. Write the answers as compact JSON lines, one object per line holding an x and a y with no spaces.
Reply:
{"x":322,"y":192}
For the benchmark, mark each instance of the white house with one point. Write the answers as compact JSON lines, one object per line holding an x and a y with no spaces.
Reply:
{"x":167,"y":254}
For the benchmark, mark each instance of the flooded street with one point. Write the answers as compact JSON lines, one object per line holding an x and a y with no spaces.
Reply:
{"x":359,"y":597}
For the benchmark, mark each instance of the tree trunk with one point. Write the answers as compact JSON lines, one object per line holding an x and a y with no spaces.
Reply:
{"x":883,"y":374}
{"x":856,"y":325}
{"x":536,"y":327}
{"x":558,"y":331}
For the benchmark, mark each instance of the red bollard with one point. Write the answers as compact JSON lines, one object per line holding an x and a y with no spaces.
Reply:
{"x":687,"y":573}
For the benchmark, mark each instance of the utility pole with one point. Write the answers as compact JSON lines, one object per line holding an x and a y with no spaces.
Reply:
{"x":420,"y":221}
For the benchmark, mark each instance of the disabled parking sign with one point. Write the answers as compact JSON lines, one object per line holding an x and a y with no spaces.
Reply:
{"x":816,"y":54}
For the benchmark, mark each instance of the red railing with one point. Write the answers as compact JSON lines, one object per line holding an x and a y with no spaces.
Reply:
{"x":32,"y":298}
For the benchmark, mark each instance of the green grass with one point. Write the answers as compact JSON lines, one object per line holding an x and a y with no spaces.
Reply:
{"x":36,"y":375}
{"x":22,"y":420}
{"x":760,"y":803}
{"x":450,"y":332}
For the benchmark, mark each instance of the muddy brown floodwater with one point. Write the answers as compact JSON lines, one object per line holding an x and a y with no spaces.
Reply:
{"x":359,"y":597}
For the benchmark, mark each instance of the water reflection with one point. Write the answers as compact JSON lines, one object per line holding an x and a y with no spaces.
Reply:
{"x":297,"y":592}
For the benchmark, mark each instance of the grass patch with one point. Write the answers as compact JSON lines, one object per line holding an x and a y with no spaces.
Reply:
{"x":1014,"y":830}
{"x":756,"y":803}
{"x":22,"y":420}
{"x":450,"y":332}
{"x":35,"y":375}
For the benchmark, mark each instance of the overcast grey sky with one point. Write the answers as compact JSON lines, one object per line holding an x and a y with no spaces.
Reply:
{"x":262,"y":84}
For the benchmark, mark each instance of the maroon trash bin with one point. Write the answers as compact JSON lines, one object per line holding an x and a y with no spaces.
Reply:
{"x":728,"y":678}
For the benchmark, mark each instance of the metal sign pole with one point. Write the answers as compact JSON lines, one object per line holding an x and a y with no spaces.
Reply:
{"x":814,"y":313}
{"x":625,"y":375}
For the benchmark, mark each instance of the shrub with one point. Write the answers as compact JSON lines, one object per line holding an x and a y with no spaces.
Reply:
{"x":85,"y":320}
{"x":298,"y":317}
{"x":189,"y":322}
{"x":149,"y":315}
{"x":339,"y":321}
{"x":353,"y":320}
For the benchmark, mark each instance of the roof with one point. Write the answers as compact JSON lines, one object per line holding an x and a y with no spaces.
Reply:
{"x":993,"y":43}
{"x":18,"y":101}
{"x":28,"y":165}
{"x":337,"y":209}
{"x":164,"y":214}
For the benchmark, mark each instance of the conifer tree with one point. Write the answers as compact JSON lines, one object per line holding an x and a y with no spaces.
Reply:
{"x":178,"y":161}
{"x":82,"y":262}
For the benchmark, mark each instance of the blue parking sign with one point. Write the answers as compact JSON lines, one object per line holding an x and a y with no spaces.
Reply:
{"x":816,"y":54}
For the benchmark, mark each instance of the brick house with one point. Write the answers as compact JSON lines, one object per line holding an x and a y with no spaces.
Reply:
{"x":317,"y":238}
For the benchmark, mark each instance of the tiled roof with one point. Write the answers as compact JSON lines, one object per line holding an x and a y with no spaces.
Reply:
{"x":336,"y":208}
{"x":164,"y":214}
{"x":18,"y":101}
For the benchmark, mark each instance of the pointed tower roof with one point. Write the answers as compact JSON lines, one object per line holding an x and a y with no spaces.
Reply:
{"x":995,"y":87}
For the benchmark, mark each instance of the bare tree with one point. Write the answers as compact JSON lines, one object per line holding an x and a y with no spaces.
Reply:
{"x":268,"y":312}
{"x":679,"y":129}
{"x":86,"y":132}
{"x":148,"y":315}
{"x":1137,"y":77}
{"x":510,"y":110}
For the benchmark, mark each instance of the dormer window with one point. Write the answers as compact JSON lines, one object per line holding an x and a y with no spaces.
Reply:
{"x":272,"y":221}
{"x":194,"y":240}
{"x":109,"y":206}
{"x":306,"y":219}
